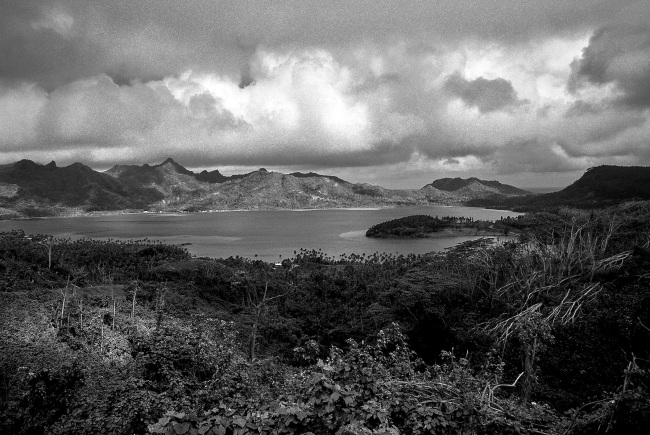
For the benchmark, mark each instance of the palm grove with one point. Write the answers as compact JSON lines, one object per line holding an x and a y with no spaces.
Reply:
{"x":547,"y":333}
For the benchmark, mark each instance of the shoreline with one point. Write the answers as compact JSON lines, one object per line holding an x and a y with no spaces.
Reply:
{"x":185,"y":213}
{"x":77,"y":214}
{"x":455,"y":232}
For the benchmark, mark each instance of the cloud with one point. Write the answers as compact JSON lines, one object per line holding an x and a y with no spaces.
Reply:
{"x":485,"y":95}
{"x":439,"y":86}
{"x":150,"y":39}
{"x":618,"y":55}
{"x":315,"y":108}
{"x":301,"y":108}
{"x":533,"y":155}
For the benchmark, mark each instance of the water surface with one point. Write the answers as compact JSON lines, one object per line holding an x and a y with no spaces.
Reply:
{"x":267,"y":235}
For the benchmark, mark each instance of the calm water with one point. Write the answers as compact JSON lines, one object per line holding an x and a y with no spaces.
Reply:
{"x":269,"y":235}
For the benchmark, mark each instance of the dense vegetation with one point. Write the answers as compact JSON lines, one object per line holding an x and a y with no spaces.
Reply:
{"x":420,"y":226}
{"x":547,"y":334}
{"x":410,"y":226}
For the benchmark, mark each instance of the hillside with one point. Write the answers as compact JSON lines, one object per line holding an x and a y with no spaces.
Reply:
{"x":474,"y":184}
{"x":155,"y":173}
{"x":272,"y":190}
{"x":610,"y":183}
{"x":460,"y":190}
{"x":598,"y":187}
{"x":175,"y":184}
{"x":32,"y":189}
{"x":29,"y":189}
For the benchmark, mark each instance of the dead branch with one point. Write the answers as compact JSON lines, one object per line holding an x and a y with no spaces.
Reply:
{"x":488,"y":392}
{"x":642,"y":325}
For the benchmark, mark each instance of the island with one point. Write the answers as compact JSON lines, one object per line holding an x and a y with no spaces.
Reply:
{"x":425,"y":226}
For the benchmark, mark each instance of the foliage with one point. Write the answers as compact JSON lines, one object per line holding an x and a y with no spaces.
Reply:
{"x":35,"y":261}
{"x":110,"y":336}
{"x":418,"y":226}
{"x":366,"y":389}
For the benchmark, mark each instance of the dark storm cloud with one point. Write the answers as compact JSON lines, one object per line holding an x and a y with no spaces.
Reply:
{"x":382,"y":154}
{"x":33,"y":52}
{"x":618,"y":54}
{"x":246,"y":78}
{"x":530,"y":155}
{"x":486,"y":95}
{"x":436,"y":146}
{"x":55,"y":43}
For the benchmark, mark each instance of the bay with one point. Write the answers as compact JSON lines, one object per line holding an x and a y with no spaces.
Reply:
{"x":266,"y":235}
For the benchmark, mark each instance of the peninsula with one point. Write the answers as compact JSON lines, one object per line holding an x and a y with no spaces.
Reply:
{"x":424,"y":226}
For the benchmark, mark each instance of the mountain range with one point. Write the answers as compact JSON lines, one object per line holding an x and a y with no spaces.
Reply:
{"x":29,"y":189}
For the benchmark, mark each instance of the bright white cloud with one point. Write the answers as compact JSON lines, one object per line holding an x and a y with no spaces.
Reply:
{"x":365,"y":104}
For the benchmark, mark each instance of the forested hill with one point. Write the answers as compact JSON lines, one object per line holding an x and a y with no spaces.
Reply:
{"x":29,"y":189}
{"x":598,"y":187}
{"x":610,"y":183}
{"x":422,"y":226}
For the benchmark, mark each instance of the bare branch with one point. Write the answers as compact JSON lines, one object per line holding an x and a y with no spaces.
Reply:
{"x":642,"y":325}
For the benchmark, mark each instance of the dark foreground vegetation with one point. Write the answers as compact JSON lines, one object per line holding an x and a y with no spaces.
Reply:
{"x":544,"y":335}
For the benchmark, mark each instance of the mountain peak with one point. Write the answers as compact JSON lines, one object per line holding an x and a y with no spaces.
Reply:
{"x":24,"y":164}
{"x":211,"y":177}
{"x":316,"y":175}
{"x":177,"y":167}
{"x":169,"y":161}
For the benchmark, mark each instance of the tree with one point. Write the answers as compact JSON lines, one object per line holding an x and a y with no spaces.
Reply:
{"x":259,"y":308}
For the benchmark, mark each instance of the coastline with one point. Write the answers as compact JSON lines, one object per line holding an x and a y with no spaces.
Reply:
{"x":464,"y":232}
{"x":266,"y":235}
{"x":454,"y":232}
{"x":76,"y":214}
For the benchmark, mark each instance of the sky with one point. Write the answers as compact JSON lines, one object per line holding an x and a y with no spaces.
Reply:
{"x":390,"y":92}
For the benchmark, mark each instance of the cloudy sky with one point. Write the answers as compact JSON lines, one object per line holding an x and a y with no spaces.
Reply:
{"x":392,"y":92}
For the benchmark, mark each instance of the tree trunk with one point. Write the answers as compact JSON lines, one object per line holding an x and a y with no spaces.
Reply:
{"x":253,"y":339}
{"x":65,"y":292}
{"x":259,"y":307}
{"x":160,"y":306}
{"x":49,"y":254}
{"x":135,"y":291}
{"x":529,"y":371}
